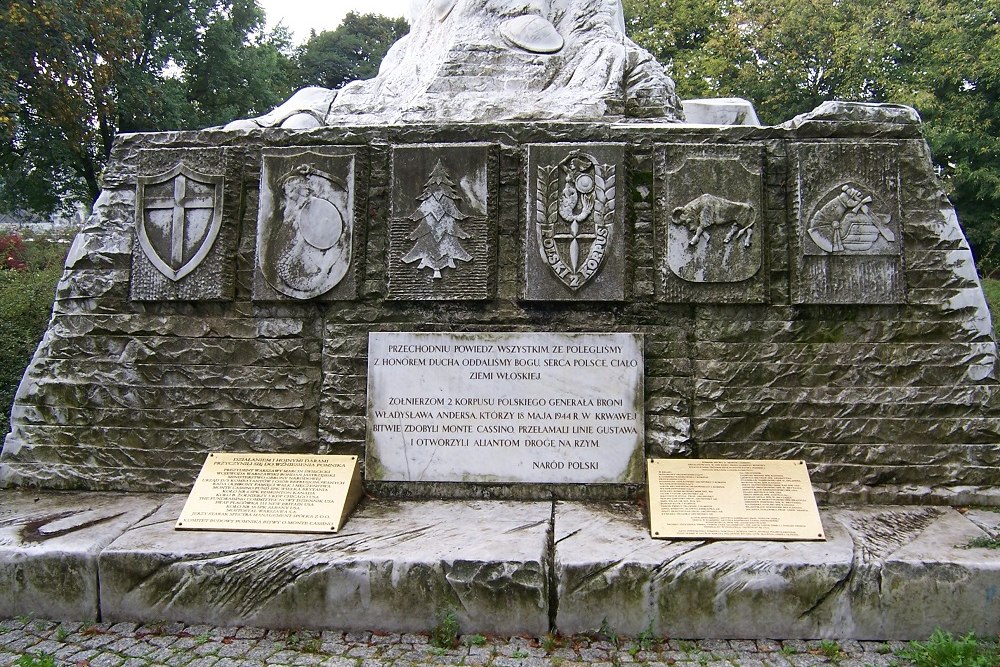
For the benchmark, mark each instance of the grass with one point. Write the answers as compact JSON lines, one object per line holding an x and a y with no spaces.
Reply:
{"x":945,"y":650}
{"x":984,"y":542}
{"x":991,"y":287}
{"x":36,"y":660}
{"x":444,"y":635}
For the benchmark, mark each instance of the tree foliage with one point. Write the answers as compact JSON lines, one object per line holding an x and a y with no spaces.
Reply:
{"x":787,"y":56}
{"x":353,"y":51}
{"x":75,"y":73}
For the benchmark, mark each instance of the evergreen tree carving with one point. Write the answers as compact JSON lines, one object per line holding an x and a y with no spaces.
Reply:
{"x":438,"y":234}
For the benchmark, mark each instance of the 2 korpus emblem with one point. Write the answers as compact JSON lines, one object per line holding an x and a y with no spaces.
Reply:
{"x":574,"y":217}
{"x":179,"y":218}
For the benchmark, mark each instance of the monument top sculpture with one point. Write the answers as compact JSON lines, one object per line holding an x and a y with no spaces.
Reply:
{"x":493,"y":60}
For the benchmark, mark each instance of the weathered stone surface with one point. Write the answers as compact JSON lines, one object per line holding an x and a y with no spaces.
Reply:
{"x":575,"y":236}
{"x":883,"y":573}
{"x":488,"y":60}
{"x":49,"y":546}
{"x":884,"y":400}
{"x":710,"y":223}
{"x":394,"y":566}
{"x":848,"y":245}
{"x":308,"y":238}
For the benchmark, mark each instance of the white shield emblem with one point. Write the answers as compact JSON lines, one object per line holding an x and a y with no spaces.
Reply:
{"x":178,"y":218}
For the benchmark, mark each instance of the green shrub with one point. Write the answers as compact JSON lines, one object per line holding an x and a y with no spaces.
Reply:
{"x":27,"y":289}
{"x":991,"y":287}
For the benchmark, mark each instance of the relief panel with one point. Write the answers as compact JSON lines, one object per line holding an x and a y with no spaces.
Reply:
{"x":848,"y":245}
{"x":575,"y":232}
{"x":710,"y":222}
{"x":442,"y":230}
{"x":185,"y":207}
{"x":306,"y":232}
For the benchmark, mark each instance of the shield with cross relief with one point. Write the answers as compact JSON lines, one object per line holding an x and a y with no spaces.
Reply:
{"x":178,"y":218}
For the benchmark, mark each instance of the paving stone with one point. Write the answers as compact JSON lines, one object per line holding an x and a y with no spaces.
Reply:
{"x":339,"y":661}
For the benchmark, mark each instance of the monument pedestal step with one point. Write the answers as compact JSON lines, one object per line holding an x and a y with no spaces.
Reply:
{"x":502,"y":567}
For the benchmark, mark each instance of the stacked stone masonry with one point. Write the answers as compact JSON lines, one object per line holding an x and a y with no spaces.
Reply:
{"x":804,"y":291}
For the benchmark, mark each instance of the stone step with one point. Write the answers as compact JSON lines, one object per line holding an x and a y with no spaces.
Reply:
{"x":502,"y":567}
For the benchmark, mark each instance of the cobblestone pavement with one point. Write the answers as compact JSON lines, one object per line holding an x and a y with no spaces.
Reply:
{"x":36,"y":643}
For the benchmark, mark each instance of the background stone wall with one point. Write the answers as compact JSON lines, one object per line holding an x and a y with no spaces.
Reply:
{"x":889,"y":401}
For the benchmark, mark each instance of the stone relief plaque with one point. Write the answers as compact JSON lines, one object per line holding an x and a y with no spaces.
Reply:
{"x":306,"y":224}
{"x":280,"y":493}
{"x":441,"y":227}
{"x":505,"y":407}
{"x":575,"y":233}
{"x":848,"y":224}
{"x":731,"y":500}
{"x":709,"y":224}
{"x":185,"y":226}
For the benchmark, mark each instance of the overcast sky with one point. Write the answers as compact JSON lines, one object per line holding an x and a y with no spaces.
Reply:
{"x":301,"y":16}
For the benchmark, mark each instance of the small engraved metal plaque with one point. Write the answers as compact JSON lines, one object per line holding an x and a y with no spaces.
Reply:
{"x":273,"y":493}
{"x":734,"y":500}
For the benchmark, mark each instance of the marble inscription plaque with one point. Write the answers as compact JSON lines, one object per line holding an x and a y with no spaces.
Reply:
{"x":710,"y":223}
{"x":575,"y":232}
{"x":505,"y":407}
{"x":723,"y":499}
{"x":441,"y":229}
{"x":849,"y":233}
{"x":282,"y":493}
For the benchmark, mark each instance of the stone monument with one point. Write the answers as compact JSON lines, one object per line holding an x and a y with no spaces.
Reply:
{"x":505,"y":273}
{"x":799,"y":291}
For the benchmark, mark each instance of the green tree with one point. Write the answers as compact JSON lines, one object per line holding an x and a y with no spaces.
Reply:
{"x":353,"y":51}
{"x":787,"y":56}
{"x":78,"y":72}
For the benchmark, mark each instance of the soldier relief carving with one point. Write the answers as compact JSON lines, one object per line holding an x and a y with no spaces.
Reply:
{"x":306,"y":225}
{"x":844,"y":223}
{"x":574,"y":219}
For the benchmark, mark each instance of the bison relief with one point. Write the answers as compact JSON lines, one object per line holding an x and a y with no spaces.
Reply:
{"x":711,"y":240}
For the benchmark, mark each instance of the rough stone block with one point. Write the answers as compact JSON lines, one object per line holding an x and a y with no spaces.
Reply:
{"x":187,"y":217}
{"x":49,"y":547}
{"x":308,"y":232}
{"x":394,"y":567}
{"x":848,"y":242}
{"x":607,"y":568}
{"x":883,"y":573}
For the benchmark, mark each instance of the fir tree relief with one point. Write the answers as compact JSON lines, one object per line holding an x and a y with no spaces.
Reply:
{"x":438,"y":233}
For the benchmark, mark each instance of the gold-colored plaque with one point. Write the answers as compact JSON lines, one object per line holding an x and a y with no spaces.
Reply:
{"x":274,"y":493}
{"x":735,"y":500}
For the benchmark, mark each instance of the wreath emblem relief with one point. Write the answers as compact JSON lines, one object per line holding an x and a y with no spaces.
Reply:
{"x":574,"y":224}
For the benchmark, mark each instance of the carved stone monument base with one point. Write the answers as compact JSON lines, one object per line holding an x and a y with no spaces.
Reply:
{"x":886,"y":572}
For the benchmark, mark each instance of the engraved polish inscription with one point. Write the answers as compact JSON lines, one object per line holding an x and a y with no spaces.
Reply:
{"x":505,"y":407}
{"x":575,"y":223}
